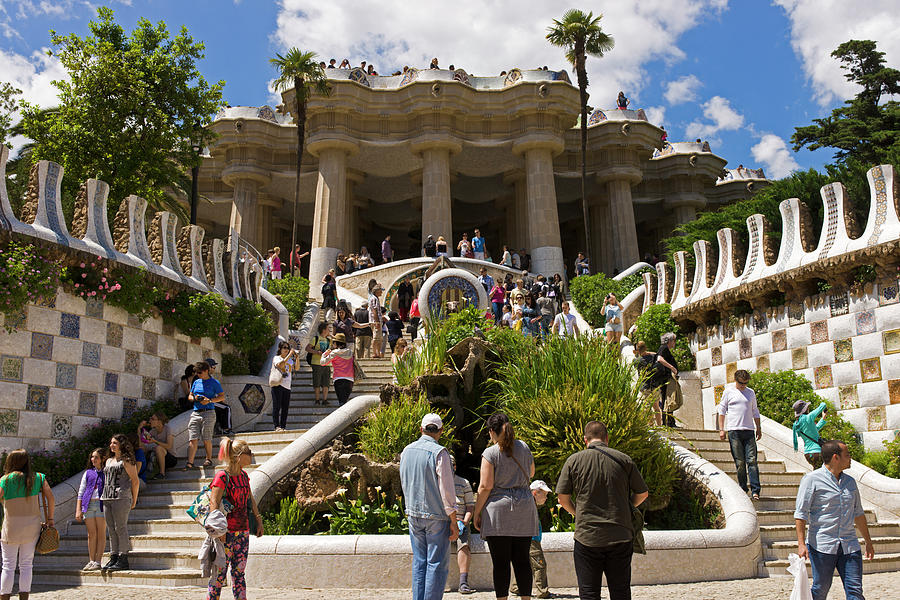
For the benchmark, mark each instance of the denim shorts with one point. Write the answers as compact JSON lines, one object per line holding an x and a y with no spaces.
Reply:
{"x":93,"y":510}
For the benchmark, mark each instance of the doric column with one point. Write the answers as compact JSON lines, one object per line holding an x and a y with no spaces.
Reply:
{"x":601,"y":236}
{"x":540,"y":191}
{"x":685,"y":204}
{"x":329,"y":218}
{"x":437,"y":218}
{"x":244,"y":209}
{"x":621,"y":216}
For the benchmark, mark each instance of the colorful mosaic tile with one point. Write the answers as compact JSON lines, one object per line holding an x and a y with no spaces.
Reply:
{"x":111,"y":382}
{"x":69,"y":325}
{"x":219,"y":345}
{"x":17,"y":319}
{"x":94,"y":308}
{"x":134,"y":321}
{"x":165,"y":368}
{"x":65,"y":375}
{"x":819,"y":331}
{"x":114,"y":335}
{"x":876,"y":418}
{"x":891,"y":341}
{"x":796,"y":314}
{"x":11,"y":368}
{"x":730,"y":370}
{"x":799,"y":359}
{"x":148,"y":388}
{"x":168,"y":329}
{"x":47,"y":302}
{"x":865,"y":322}
{"x":129,"y":405}
{"x":746,"y":347}
{"x":848,"y":396}
{"x":90,"y":354}
{"x":61,"y":428}
{"x":181,"y":349}
{"x":727,"y":332}
{"x":762,"y":363}
{"x":839,"y":303}
{"x":888,"y":293}
{"x":843,"y":350}
{"x":87,"y":403}
{"x":41,"y":346}
{"x":779,"y":340}
{"x":823,"y":377}
{"x":132,"y":361}
{"x":9,"y":422}
{"x":717,"y":392}
{"x":894,"y":391}
{"x":760,"y":323}
{"x":716,"y":354}
{"x":38,"y":397}
{"x":704,"y":377}
{"x":151,"y":342}
{"x":870,"y":369}
{"x":252,"y":398}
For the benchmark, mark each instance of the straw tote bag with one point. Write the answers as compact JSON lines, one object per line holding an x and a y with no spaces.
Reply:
{"x":48,"y":540}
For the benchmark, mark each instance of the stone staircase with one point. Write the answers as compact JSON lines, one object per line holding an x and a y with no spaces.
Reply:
{"x":165,"y":540}
{"x":775,"y":509}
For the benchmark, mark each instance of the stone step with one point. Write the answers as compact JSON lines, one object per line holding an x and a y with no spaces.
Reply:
{"x":139,"y":560}
{"x":171,"y":484}
{"x":767,"y":502}
{"x":766,"y":466}
{"x":769,"y":534}
{"x":176,"y":524}
{"x":693,"y":434}
{"x":168,"y":578}
{"x":776,"y":517}
{"x":879,"y":564}
{"x":77,"y":540}
{"x":883,"y":545}
{"x":713,"y":454}
{"x":767,"y":479}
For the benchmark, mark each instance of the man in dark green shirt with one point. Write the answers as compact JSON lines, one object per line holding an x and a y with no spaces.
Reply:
{"x":606,"y":484}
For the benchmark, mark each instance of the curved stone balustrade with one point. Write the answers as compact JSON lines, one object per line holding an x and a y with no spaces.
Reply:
{"x":739,"y":173}
{"x":616,"y":114}
{"x":414,"y":75}
{"x":681,"y":148}
{"x":835,"y":253}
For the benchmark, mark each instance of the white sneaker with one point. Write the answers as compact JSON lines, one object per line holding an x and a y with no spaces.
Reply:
{"x":91,"y":566}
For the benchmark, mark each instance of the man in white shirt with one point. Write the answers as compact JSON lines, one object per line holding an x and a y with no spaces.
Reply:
{"x":564,"y":324}
{"x":739,"y":418}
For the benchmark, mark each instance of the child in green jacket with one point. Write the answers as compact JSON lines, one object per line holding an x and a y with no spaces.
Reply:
{"x":806,"y":427}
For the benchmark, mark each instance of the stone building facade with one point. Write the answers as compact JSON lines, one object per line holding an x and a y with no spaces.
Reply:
{"x":443,"y":152}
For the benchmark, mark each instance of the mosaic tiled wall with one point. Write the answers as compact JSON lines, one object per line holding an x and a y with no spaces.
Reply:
{"x":68,"y":365}
{"x":847,"y":346}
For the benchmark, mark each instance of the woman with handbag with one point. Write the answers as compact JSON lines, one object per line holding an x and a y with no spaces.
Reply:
{"x":612,"y":311}
{"x":505,"y":512}
{"x":340,"y":357}
{"x":120,"y":492}
{"x":280,"y":381}
{"x":89,"y":509}
{"x":233,"y":485}
{"x":23,"y":528}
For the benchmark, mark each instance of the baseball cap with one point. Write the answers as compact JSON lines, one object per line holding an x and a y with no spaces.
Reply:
{"x":540,"y":484}
{"x":211,"y":362}
{"x":432,"y":419}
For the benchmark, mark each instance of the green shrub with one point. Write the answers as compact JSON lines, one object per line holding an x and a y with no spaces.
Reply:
{"x":196,"y":315}
{"x":776,"y":394}
{"x":249,"y":326}
{"x":235,"y":364}
{"x":364,"y":516}
{"x":887,"y":461}
{"x":656,"y":321}
{"x":590,"y":291}
{"x":552,"y":393}
{"x":427,"y":357}
{"x":389,"y":428}
{"x":690,"y":508}
{"x":289,"y":519}
{"x":461,"y":325}
{"x":25,"y":276}
{"x":135,"y":292}
{"x":293,"y":292}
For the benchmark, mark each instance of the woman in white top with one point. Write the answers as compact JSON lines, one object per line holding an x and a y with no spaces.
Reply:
{"x":463,"y":246}
{"x":506,"y":260}
{"x":564,"y":324}
{"x":282,"y":366}
{"x":612,"y":311}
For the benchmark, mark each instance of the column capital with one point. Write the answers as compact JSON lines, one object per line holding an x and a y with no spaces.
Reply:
{"x":422,"y":143}
{"x":538,"y":141}
{"x":627,"y":173}
{"x":319,"y":144}
{"x":692,"y":200}
{"x":514,"y":176}
{"x":241,"y":172}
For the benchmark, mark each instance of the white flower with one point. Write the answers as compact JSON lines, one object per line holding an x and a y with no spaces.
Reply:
{"x":341,"y":491}
{"x":347,"y":475}
{"x":377,"y":488}
{"x":327,"y":515}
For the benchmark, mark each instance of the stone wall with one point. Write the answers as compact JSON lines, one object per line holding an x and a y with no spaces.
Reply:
{"x":70,"y":364}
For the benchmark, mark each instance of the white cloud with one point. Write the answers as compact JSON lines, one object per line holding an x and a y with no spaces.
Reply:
{"x":819,"y":26}
{"x":682,"y":90}
{"x":656,"y":114}
{"x":33,"y":75}
{"x":723,"y":117}
{"x":773,"y":153}
{"x":485,"y":38}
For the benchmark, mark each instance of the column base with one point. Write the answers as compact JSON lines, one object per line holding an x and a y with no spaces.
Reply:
{"x":321,"y":260}
{"x":548,"y":261}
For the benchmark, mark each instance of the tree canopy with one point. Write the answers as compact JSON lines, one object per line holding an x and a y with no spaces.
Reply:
{"x":863,"y":129}
{"x":8,"y":104}
{"x":133,"y":108}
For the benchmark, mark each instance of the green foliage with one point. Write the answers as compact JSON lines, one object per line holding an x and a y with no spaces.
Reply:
{"x":129,"y":108}
{"x":127,"y":288}
{"x":421,"y":359}
{"x":25,"y":276}
{"x":776,"y":394}
{"x":561,"y":519}
{"x":887,"y":461}
{"x":235,"y":364}
{"x":8,"y":104}
{"x":249,"y":326}
{"x":461,"y":325}
{"x":552,"y":393}
{"x":656,"y":321}
{"x":290,"y":519}
{"x":389,"y":428}
{"x":72,"y":456}
{"x":590,"y":291}
{"x":293,"y":292}
{"x":196,"y":315}
{"x":690,"y":508}
{"x":364,"y":516}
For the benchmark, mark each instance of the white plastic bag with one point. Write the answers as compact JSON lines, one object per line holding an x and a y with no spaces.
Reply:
{"x":797,"y":568}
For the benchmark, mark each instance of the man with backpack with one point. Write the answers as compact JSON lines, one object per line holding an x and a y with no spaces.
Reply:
{"x":321,"y":374}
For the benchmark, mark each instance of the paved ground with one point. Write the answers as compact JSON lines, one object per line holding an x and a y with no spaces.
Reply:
{"x":878,"y":586}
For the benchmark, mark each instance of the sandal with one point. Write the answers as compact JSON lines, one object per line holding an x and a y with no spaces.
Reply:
{"x":158,"y":476}
{"x":756,"y":496}
{"x":188,"y":466}
{"x":207,"y":463}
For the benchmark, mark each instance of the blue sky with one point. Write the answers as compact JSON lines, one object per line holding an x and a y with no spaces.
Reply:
{"x":740,"y":74}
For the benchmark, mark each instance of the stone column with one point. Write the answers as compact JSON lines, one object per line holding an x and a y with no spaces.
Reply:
{"x":244,"y":209}
{"x":329,"y":218}
{"x":601,"y":235}
{"x":437,"y":218}
{"x":540,"y":191}
{"x":621,"y":219}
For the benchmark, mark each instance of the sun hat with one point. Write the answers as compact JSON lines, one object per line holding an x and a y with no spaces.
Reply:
{"x":340,"y":337}
{"x":800,"y":407}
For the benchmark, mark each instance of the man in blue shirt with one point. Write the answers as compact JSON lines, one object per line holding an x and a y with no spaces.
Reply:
{"x":829,"y":502}
{"x":478,"y":245}
{"x":486,"y":281}
{"x":205,"y":392}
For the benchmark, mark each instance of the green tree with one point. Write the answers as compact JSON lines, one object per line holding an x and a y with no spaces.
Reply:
{"x":302,"y":71}
{"x":580,"y":34}
{"x":129,"y":112}
{"x":8,"y":104}
{"x":864,"y":129}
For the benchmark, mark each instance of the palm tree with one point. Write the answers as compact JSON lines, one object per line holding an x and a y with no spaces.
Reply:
{"x":302,"y":71}
{"x":580,"y":34}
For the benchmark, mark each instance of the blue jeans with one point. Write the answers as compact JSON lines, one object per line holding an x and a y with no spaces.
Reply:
{"x":498,"y":311}
{"x":849,"y":567}
{"x":430,"y":539}
{"x":743,"y":451}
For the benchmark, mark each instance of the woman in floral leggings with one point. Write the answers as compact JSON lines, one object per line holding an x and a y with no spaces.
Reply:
{"x":234,"y":485}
